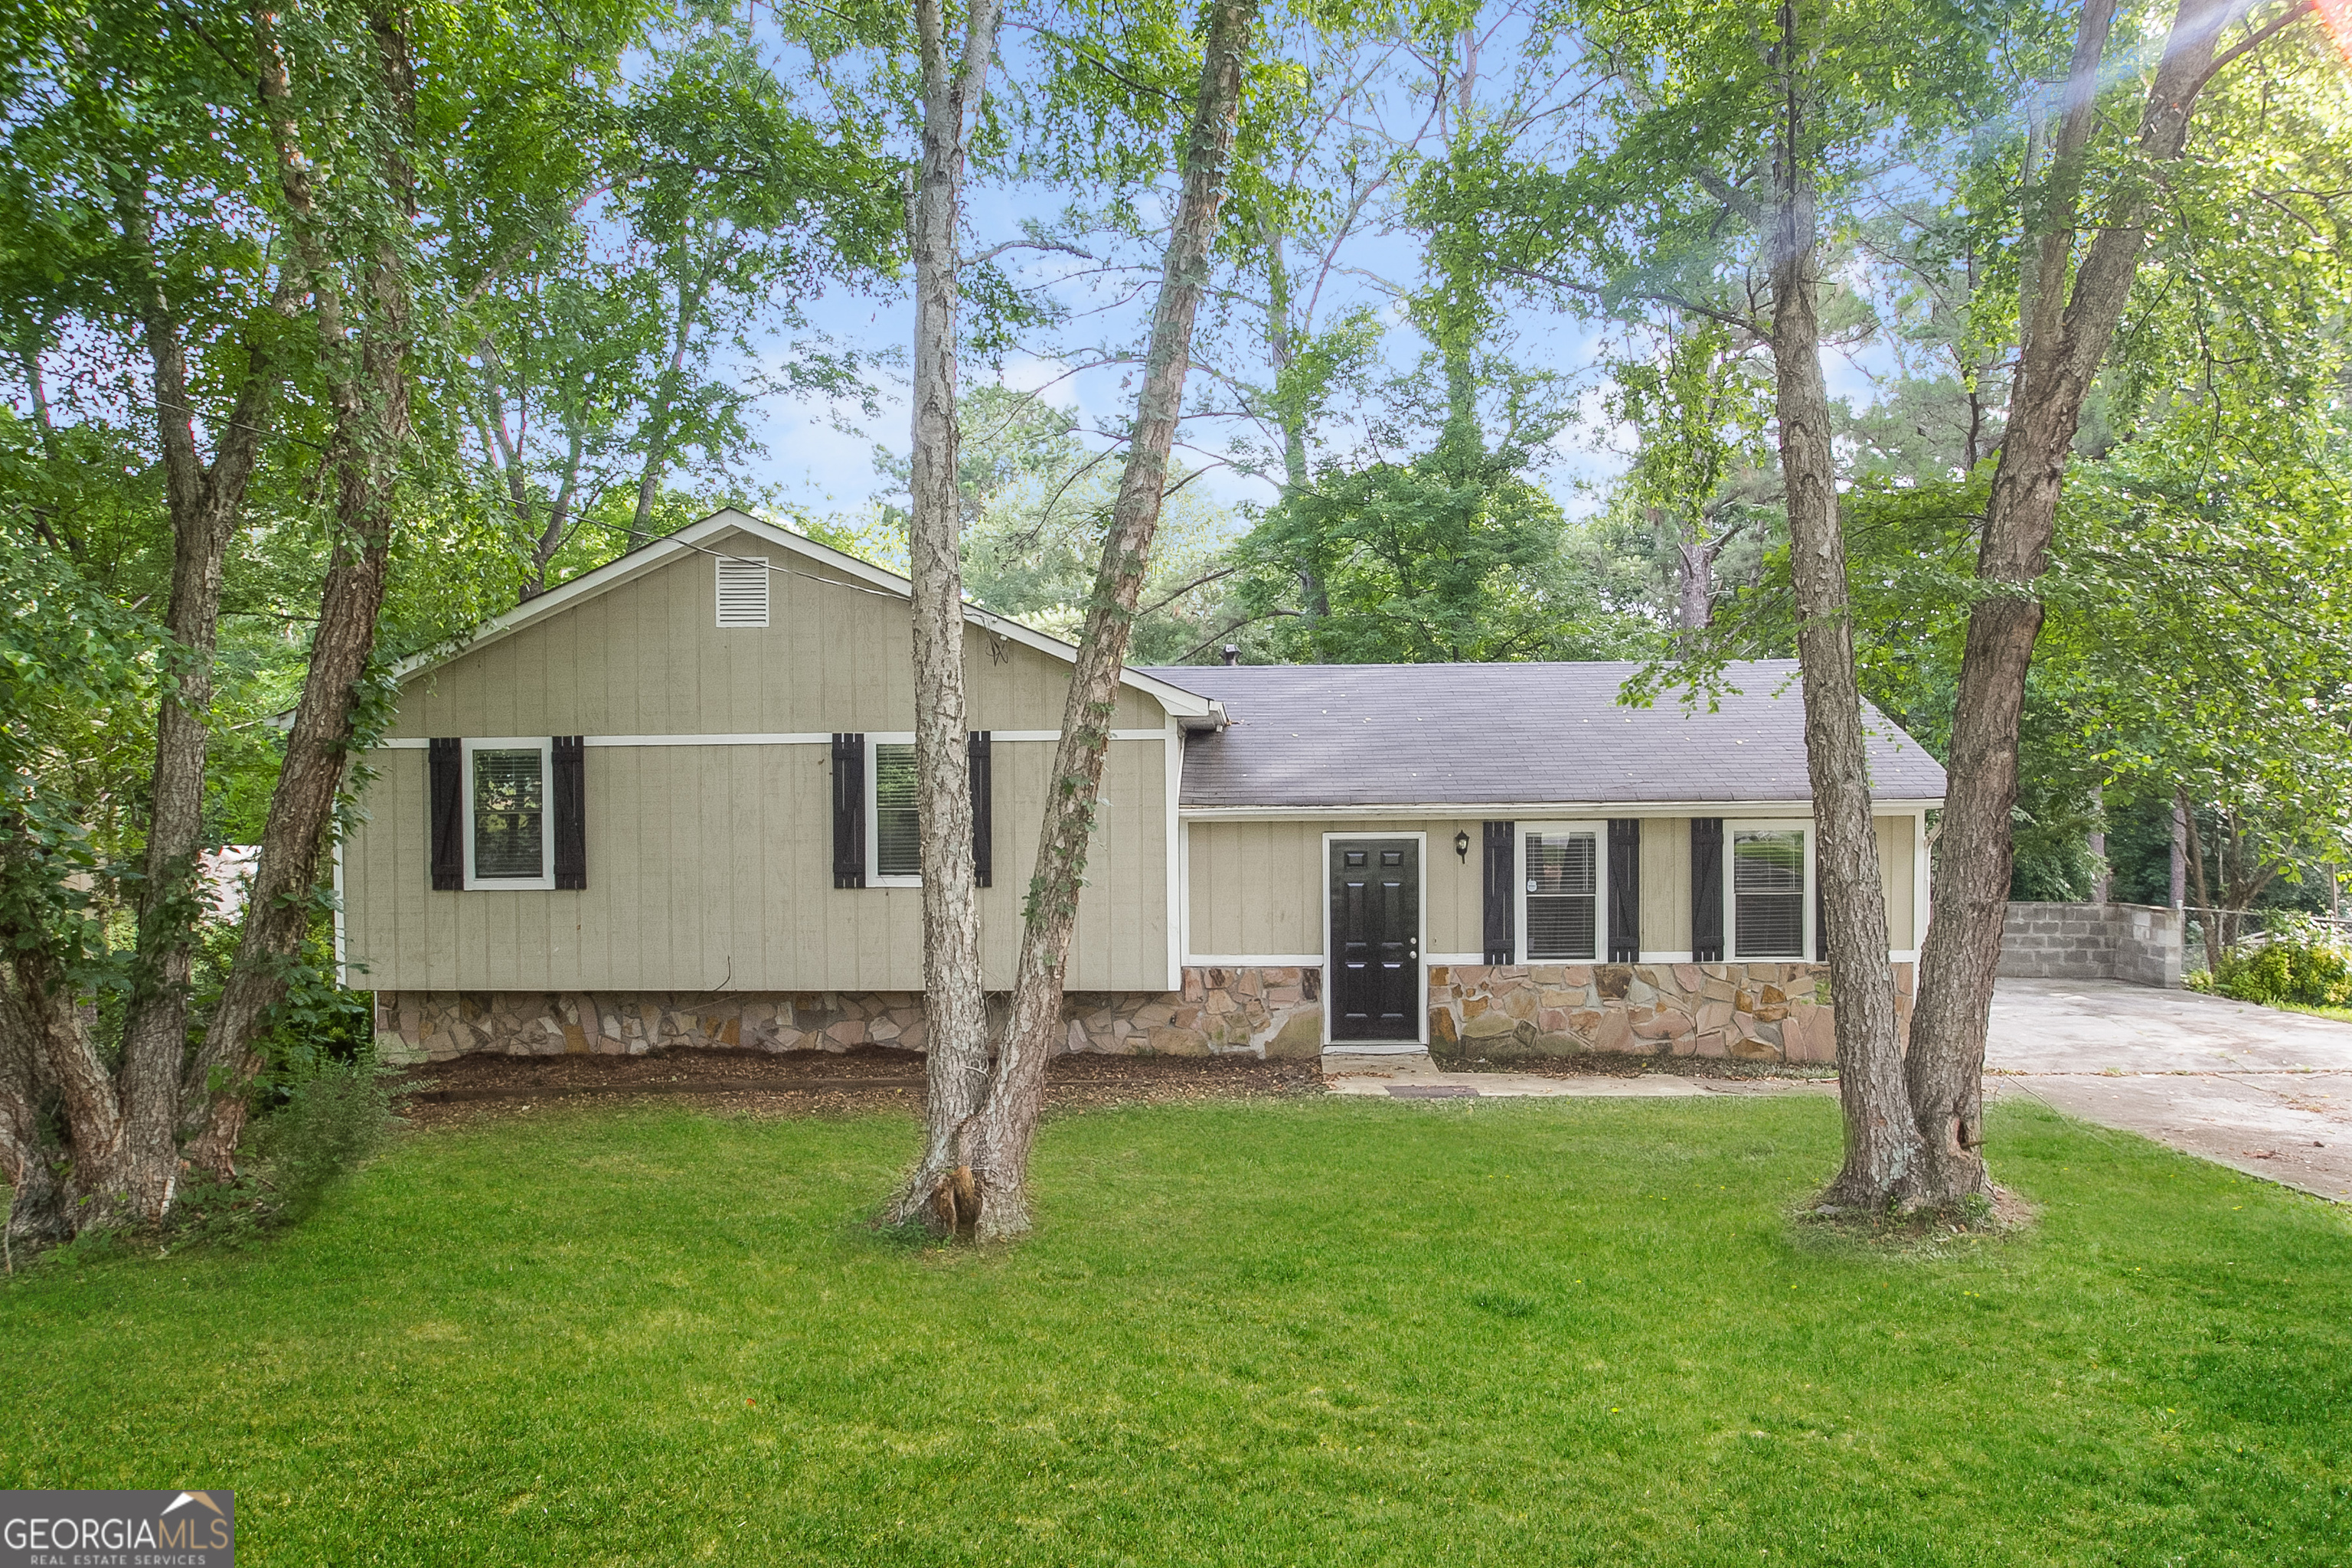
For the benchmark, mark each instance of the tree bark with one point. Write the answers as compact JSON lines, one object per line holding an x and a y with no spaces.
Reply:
{"x":1007,"y":1125}
{"x":205,"y":501}
{"x":2063,"y":338}
{"x":372,"y":432}
{"x":36,"y":1208}
{"x":1881,"y":1144}
{"x":955,"y":1004}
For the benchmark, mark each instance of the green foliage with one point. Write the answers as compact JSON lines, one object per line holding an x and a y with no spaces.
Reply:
{"x":2299,"y":964}
{"x":330,"y":1121}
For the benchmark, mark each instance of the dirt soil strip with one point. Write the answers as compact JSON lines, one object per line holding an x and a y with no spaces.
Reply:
{"x":677,"y":1086}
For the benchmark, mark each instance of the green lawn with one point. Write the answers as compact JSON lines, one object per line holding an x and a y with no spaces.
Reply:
{"x":1281,"y":1332}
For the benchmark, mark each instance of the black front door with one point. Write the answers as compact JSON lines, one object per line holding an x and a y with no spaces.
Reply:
{"x":1375,"y":939}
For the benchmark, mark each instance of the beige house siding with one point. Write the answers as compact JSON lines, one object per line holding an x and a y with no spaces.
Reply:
{"x":1667,"y":885}
{"x":711,"y":867}
{"x":1258,"y":889}
{"x":648,"y":658}
{"x":1897,"y":851}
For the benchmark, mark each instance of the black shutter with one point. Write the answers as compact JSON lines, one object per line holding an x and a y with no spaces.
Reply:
{"x":1501,"y":942}
{"x":1625,"y":889}
{"x":446,"y":831}
{"x":571,"y":792}
{"x":849,"y":811}
{"x":1820,"y":927}
{"x":1706,"y":889}
{"x":983,"y":810}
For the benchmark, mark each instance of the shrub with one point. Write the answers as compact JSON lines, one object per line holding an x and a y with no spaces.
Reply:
{"x":326,"y":1123}
{"x":2302,"y":965}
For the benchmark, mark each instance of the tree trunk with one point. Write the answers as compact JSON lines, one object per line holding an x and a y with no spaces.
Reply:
{"x":2063,"y":337}
{"x":955,"y":1004}
{"x":1008,"y":1120}
{"x":36,"y":1209}
{"x":1881,"y":1145}
{"x":372,"y":432}
{"x":204,"y":502}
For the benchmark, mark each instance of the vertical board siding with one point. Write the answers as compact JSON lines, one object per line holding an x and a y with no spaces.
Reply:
{"x":1666,"y":884}
{"x":714,"y":871}
{"x":1258,"y":886}
{"x":1894,"y":872}
{"x":714,"y":864}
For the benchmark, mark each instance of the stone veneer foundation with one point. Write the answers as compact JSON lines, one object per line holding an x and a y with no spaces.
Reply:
{"x":1274,"y":1012}
{"x":1758,"y":1012}
{"x":1755,"y":1012}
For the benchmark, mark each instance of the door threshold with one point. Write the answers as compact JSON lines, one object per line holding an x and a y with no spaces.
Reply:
{"x":1375,"y":1048}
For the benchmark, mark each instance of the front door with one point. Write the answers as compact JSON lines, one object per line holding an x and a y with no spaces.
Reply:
{"x":1375,"y":939}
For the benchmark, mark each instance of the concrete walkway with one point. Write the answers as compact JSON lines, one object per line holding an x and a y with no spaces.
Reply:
{"x":2265,"y":1091}
{"x":1415,"y":1076}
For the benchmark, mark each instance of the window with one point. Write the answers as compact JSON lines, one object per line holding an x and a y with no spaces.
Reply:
{"x":742,"y":591}
{"x":896,"y":835}
{"x":1560,"y":875}
{"x":507,"y":821}
{"x":1768,"y":892}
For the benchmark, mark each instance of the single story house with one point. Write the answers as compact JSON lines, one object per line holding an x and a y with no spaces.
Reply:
{"x":671,"y":804}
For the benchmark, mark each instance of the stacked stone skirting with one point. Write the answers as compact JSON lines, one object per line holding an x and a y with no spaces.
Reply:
{"x":1266,"y":1010}
{"x":1755,"y":1012}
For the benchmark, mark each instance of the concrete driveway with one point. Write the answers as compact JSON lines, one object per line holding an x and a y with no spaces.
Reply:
{"x":2265,"y":1091}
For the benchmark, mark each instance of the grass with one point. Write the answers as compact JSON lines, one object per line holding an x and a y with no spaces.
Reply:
{"x":1294,"y":1333}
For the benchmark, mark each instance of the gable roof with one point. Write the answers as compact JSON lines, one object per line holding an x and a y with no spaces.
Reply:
{"x":694,"y":539}
{"x":1520,"y":734}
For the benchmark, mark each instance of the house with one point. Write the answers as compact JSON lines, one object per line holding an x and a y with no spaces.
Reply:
{"x":671,"y":804}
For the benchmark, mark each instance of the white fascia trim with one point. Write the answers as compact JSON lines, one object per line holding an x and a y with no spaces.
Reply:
{"x":1555,"y":810}
{"x":1253,"y":961}
{"x":612,"y":574}
{"x":415,"y":743}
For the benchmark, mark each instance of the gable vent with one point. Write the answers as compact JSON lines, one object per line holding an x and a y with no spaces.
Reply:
{"x":742,"y":592}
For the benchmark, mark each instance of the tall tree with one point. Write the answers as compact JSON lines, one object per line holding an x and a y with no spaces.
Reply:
{"x":990,"y":1187}
{"x":955,"y":1006}
{"x":2072,"y":295}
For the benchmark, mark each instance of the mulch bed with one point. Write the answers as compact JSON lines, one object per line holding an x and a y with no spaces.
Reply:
{"x":804,"y":1082}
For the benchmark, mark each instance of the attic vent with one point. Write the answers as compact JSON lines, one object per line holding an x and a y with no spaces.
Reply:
{"x":742,"y":592}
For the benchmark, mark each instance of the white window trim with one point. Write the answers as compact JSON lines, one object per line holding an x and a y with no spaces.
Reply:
{"x":874,"y":877}
{"x":545,"y":880}
{"x":1420,"y":1042}
{"x":1732,"y":827}
{"x":1599,"y":828}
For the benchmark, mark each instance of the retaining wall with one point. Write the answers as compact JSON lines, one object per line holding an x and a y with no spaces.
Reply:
{"x":2135,"y":942}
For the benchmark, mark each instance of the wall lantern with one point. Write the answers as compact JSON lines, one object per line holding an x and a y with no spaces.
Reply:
{"x":1462,"y":845}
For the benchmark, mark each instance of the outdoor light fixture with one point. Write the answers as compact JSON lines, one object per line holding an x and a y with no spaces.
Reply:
{"x":1462,"y":845}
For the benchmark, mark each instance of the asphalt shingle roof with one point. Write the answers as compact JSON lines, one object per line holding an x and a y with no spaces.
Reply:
{"x":1494,"y":734}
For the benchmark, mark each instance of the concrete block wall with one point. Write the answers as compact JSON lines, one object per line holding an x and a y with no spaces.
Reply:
{"x":2132,"y":942}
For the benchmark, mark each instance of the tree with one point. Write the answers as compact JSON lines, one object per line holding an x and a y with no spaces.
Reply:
{"x":991,"y":1184}
{"x":955,"y":1006}
{"x":2072,"y":295}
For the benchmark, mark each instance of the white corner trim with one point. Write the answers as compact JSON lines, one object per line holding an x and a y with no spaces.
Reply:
{"x":1174,"y":867}
{"x":343,"y":959}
